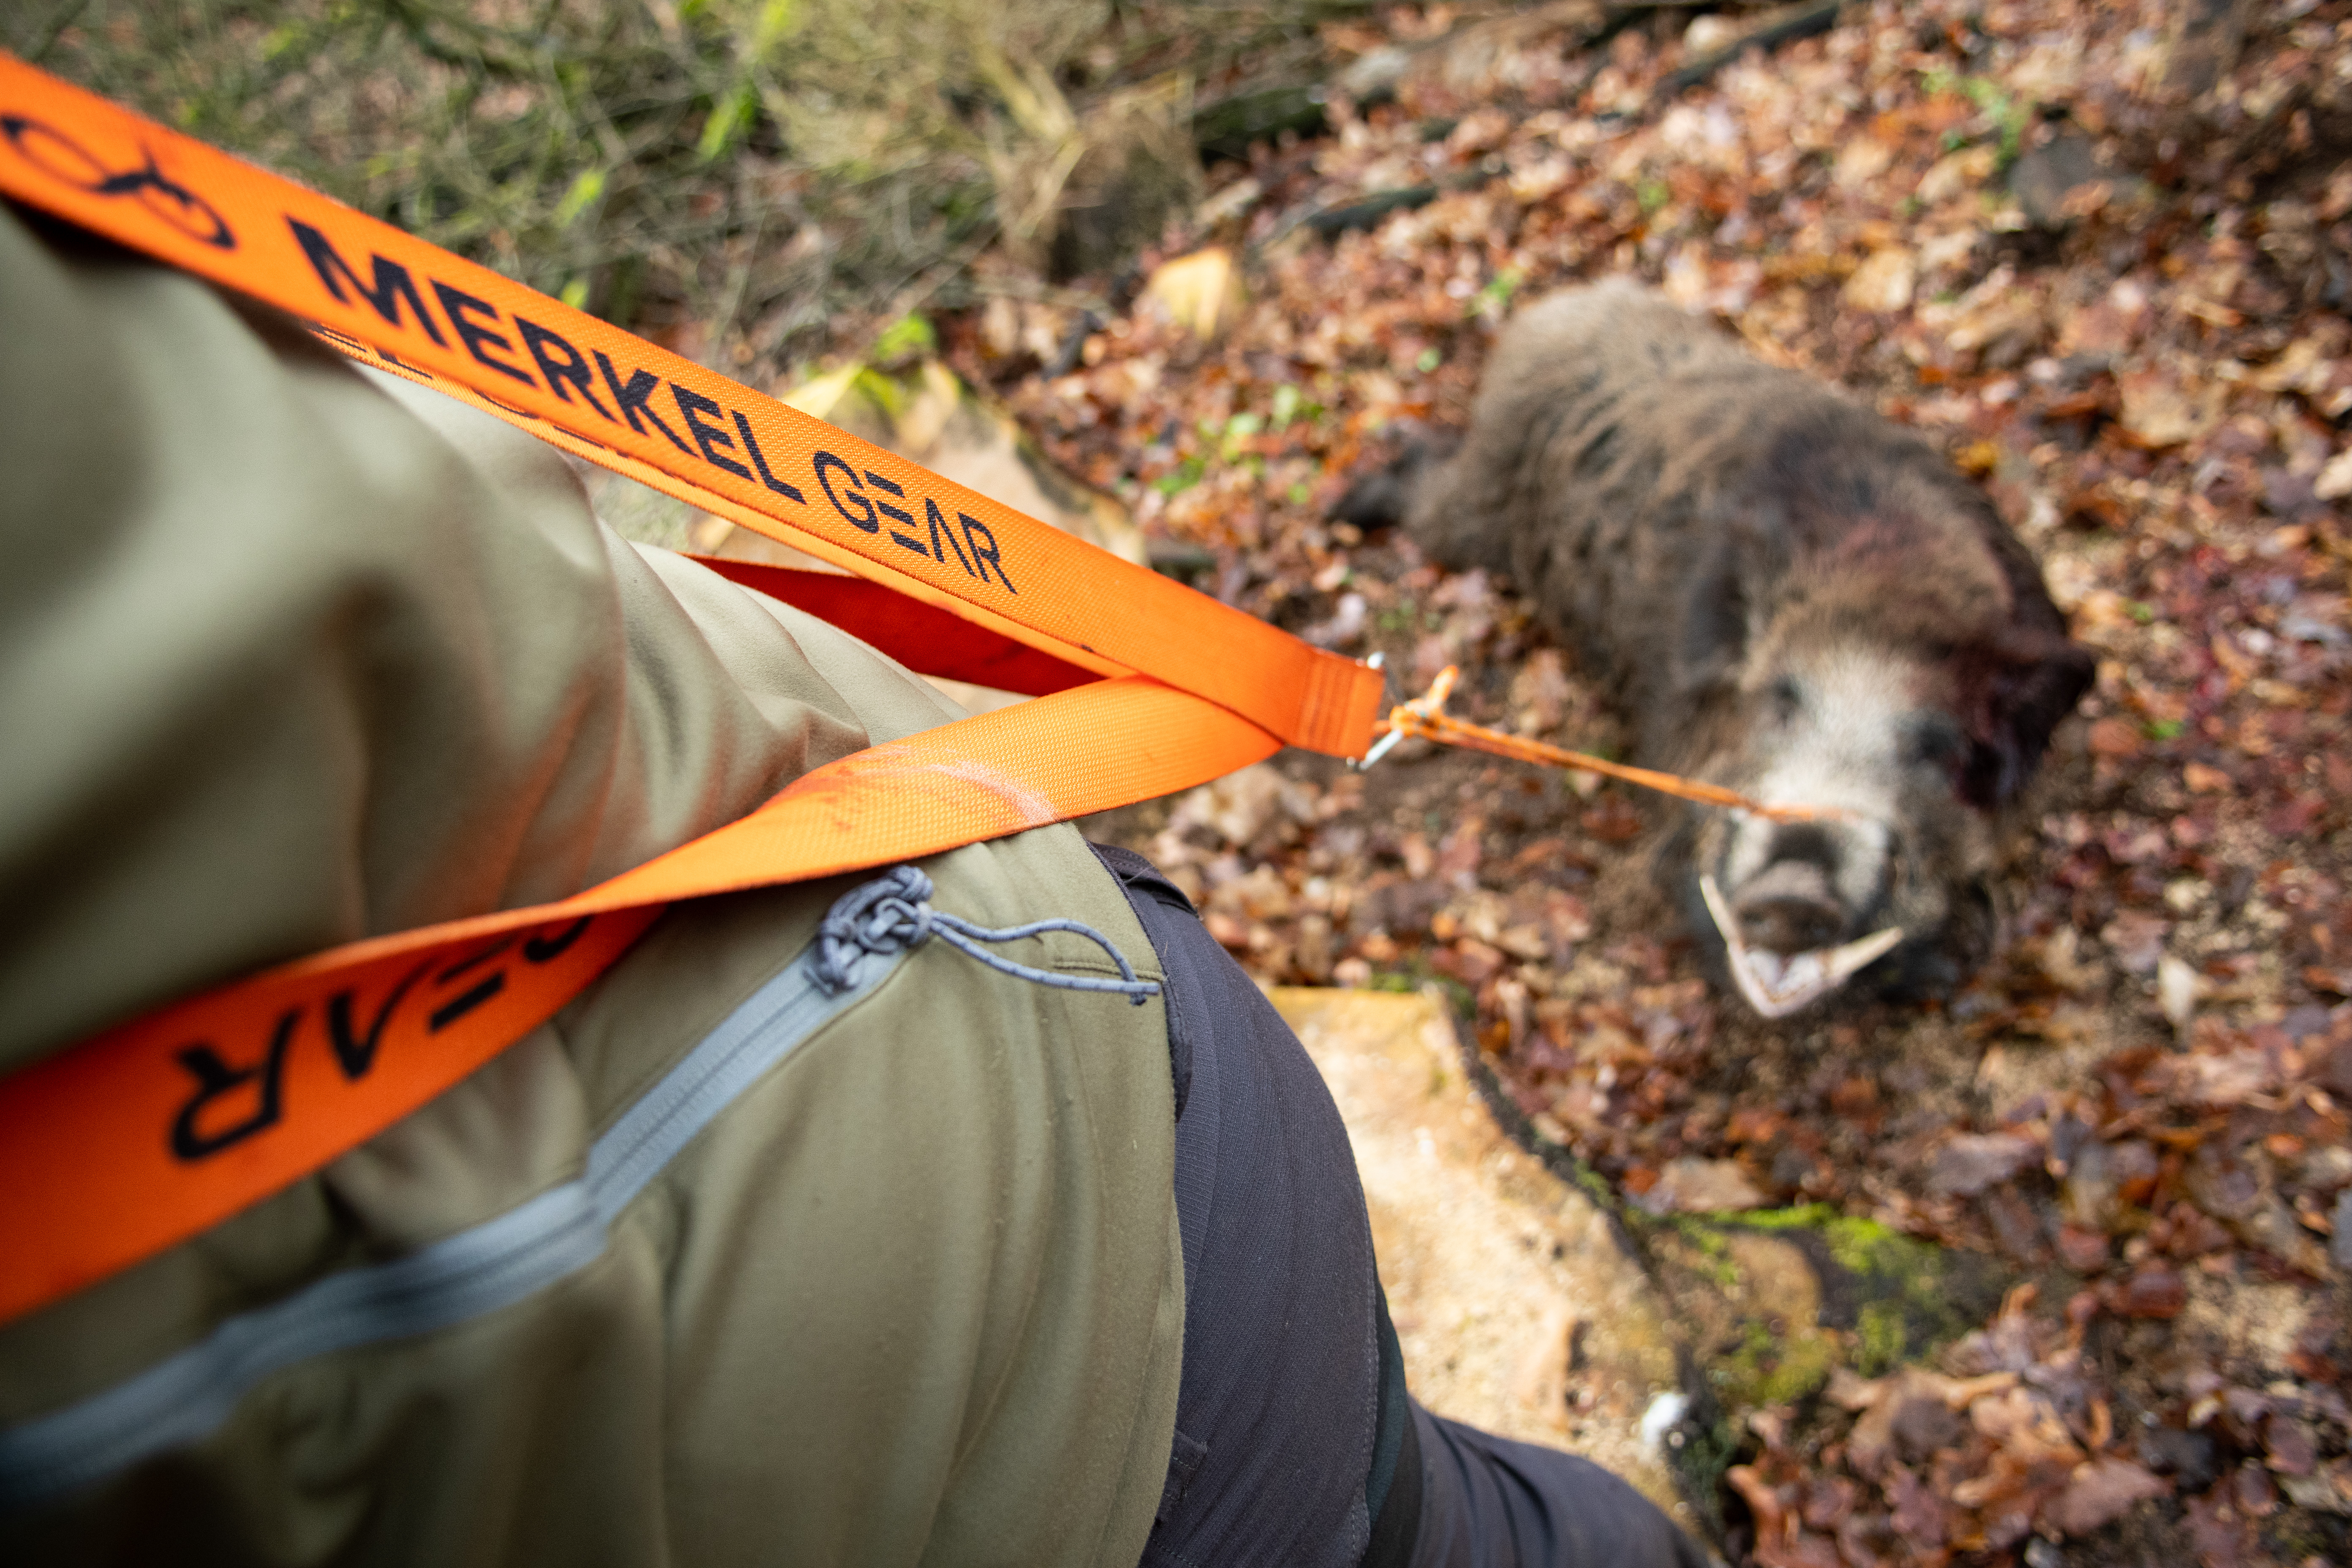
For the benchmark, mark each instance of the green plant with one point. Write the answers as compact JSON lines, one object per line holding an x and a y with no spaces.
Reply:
{"x":2009,"y":116}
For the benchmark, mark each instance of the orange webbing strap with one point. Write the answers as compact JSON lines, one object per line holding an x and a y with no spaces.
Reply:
{"x":392,"y":300}
{"x":164,"y":1126}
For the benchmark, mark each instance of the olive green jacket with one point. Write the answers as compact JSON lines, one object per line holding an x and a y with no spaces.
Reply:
{"x":291,"y":654}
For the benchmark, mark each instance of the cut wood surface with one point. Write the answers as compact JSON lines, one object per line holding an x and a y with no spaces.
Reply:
{"x":1519,"y":1309}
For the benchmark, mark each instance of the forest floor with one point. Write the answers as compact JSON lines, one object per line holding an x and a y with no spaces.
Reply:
{"x":2079,"y":1235}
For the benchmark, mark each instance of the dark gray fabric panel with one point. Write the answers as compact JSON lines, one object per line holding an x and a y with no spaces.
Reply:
{"x":1278,"y":1409}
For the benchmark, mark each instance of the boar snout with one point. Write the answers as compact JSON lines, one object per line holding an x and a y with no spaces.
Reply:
{"x":1789,"y":908}
{"x":1806,"y":907}
{"x":1796,"y":887}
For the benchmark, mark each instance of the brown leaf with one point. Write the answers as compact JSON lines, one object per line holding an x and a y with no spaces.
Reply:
{"x":2098,"y":1492}
{"x":2153,"y":1290}
{"x":2116,"y":737}
{"x":2203,"y":780}
{"x":2221,"y":1538}
{"x":1884,"y":282}
{"x":2288,"y":1444}
{"x":1613,"y":819}
{"x":1975,"y":1161}
{"x":2084,"y":1251}
{"x":1693,"y":1185}
{"x":2158,"y":411}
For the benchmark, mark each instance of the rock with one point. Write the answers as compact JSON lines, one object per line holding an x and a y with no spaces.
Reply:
{"x":2066,"y":179}
{"x":1510,"y":1289}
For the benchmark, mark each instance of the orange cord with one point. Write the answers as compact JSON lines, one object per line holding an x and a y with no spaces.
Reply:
{"x":1426,"y":717}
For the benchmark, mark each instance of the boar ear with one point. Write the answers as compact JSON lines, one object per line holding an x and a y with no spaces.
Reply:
{"x":2016,"y":693}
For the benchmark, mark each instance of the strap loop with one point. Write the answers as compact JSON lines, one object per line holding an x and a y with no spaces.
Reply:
{"x":893,"y":914}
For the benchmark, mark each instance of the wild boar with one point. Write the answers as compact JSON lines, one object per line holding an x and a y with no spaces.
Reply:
{"x":1786,"y":595}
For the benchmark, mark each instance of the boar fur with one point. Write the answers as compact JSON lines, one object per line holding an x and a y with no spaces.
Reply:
{"x":1788,"y":595}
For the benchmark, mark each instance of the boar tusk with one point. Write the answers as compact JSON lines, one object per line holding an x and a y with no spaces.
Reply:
{"x":1777,"y":986}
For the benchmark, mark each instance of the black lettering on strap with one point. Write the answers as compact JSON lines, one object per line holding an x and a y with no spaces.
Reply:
{"x":473,"y":960}
{"x":896,"y":514}
{"x":393,"y":283}
{"x":940,"y":531}
{"x":760,"y":462}
{"x":457,"y":303}
{"x":356,"y":1053}
{"x":456,"y":1007}
{"x":691,"y":408}
{"x":983,"y":558}
{"x":865,"y":523}
{"x":548,"y":949}
{"x":572,"y":367}
{"x":633,"y":399}
{"x":214,"y":1078}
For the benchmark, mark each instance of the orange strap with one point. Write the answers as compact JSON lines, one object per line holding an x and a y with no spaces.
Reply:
{"x":164,"y":1126}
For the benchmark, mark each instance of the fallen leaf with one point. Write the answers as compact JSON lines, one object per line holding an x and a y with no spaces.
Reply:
{"x":2178,"y":986}
{"x":2099,"y":1492}
{"x":2116,"y":737}
{"x":1973,"y":1162}
{"x":2158,"y":412}
{"x":1199,"y":292}
{"x":2335,"y":480}
{"x":1884,"y":282}
{"x":1693,"y":1185}
{"x":2153,"y":1290}
{"x":2203,"y":780}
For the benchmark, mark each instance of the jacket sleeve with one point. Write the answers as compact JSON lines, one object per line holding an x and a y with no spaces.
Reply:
{"x":291,"y":653}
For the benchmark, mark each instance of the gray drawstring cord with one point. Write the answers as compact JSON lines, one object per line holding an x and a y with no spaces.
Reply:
{"x":892,"y":913}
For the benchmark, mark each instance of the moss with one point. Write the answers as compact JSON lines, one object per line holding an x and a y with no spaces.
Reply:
{"x":1714,"y":1253}
{"x":1805,"y":1216}
{"x":1879,"y":1337}
{"x":1700,"y":1460}
{"x":1769,"y":1368}
{"x":1900,"y":1296}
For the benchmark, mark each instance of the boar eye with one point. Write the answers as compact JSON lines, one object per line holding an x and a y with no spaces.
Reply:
{"x":1786,"y":696}
{"x":1935,"y":742}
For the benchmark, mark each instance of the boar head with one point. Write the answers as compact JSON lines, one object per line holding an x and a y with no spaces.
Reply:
{"x":1907,"y":694}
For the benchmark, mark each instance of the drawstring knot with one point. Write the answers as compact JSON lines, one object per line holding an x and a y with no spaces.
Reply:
{"x":892,"y":914}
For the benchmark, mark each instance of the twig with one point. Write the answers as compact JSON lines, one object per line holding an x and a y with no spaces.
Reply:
{"x":1803,"y":24}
